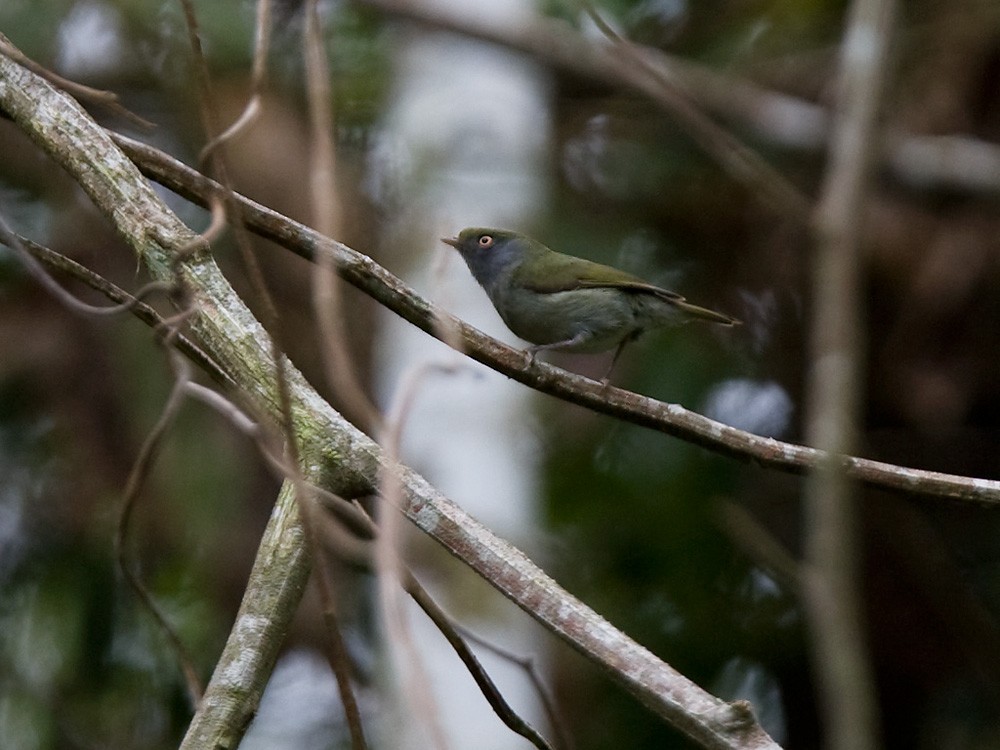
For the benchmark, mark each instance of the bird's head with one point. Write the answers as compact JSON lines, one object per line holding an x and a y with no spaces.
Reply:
{"x":489,"y":252}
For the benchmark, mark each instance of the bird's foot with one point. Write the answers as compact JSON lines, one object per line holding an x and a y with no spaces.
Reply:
{"x":606,"y":380}
{"x":529,"y":359}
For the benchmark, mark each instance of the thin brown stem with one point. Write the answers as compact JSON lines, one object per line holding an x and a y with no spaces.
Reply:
{"x":492,"y":693}
{"x":103,"y":98}
{"x":127,"y":303}
{"x":530,"y":668}
{"x":830,"y":576}
{"x":456,"y":636}
{"x":137,"y":477}
{"x":742,"y":163}
{"x":388,"y":553}
{"x":252,"y":110}
{"x":337,"y":655}
{"x":25,"y":250}
{"x":331,"y":317}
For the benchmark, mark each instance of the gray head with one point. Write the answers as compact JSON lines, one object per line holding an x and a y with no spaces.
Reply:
{"x":490,"y":253}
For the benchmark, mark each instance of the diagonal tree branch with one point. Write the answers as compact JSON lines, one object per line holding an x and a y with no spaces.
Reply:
{"x":672,"y":419}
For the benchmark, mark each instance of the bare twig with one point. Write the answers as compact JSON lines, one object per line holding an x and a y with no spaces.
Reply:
{"x":340,"y":367}
{"x":141,"y":467}
{"x":262,"y":43}
{"x":759,"y":544}
{"x":527,"y":664}
{"x":456,"y":635}
{"x":107,"y":99}
{"x":418,"y":693}
{"x":125,"y":301}
{"x":742,"y":163}
{"x":232,"y":210}
{"x":337,"y":655}
{"x":672,"y":419}
{"x":137,"y":476}
{"x":21,"y":248}
{"x":391,"y":571}
{"x":341,"y":371}
{"x":847,"y":686}
{"x":489,"y":689}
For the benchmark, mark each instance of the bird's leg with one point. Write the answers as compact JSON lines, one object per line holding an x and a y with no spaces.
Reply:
{"x":618,"y":352}
{"x":607,"y":375}
{"x":579,"y":338}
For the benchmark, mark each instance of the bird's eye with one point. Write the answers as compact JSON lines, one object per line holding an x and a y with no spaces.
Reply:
{"x":485,"y":240}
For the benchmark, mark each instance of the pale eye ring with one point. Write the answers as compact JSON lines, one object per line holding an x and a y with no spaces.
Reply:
{"x":485,"y":241}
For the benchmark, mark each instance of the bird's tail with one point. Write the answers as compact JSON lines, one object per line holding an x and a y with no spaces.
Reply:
{"x":703,"y":313}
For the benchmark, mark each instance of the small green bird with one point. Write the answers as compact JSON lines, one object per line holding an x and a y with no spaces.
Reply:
{"x":557,"y":301}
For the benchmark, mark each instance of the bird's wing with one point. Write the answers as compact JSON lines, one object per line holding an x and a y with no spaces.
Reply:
{"x":632,"y":285}
{"x":638,"y":286}
{"x":565,"y":273}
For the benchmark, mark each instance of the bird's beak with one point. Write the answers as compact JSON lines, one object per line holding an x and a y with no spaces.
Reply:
{"x":453,"y":241}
